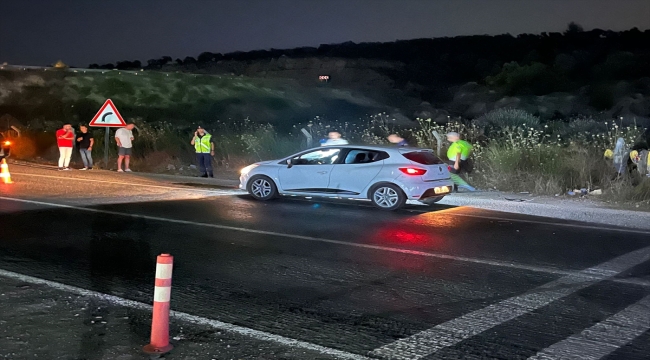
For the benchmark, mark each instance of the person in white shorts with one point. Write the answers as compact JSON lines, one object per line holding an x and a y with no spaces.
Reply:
{"x":124,"y":139}
{"x":64,"y":140}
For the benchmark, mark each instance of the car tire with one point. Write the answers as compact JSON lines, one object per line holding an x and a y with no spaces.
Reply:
{"x":262,"y":188}
{"x":431,"y":200}
{"x":387,"y":196}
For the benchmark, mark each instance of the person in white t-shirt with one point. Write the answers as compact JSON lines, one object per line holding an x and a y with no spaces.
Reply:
{"x":124,"y":139}
{"x":334,"y":138}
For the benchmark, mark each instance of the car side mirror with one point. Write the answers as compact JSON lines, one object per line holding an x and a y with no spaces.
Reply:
{"x":289,"y":163}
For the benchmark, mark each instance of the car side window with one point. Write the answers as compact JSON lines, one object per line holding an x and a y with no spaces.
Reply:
{"x":364,"y":156}
{"x":318,"y":157}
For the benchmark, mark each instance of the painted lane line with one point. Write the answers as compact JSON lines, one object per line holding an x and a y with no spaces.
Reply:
{"x":510,"y":265}
{"x":603,"y":338}
{"x":233,"y":191}
{"x":577,"y":226}
{"x":252,"y":333}
{"x":487,"y":217}
{"x":454,"y":331}
{"x":496,"y":218}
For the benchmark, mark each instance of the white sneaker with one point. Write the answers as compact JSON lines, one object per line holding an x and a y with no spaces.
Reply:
{"x":128,"y":170}
{"x":120,"y":170}
{"x":82,"y":169}
{"x":66,"y":169}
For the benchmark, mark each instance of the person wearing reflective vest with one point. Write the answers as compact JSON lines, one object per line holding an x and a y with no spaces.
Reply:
{"x":458,"y":155}
{"x":204,"y":147}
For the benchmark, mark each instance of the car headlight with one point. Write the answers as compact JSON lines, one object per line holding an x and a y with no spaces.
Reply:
{"x":248,"y":168}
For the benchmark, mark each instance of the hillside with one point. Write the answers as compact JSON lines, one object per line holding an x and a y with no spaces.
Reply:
{"x":553,"y":75}
{"x":44,"y":98}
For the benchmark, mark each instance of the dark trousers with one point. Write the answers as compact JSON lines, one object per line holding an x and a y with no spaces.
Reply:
{"x":205,"y":164}
{"x":464,"y":165}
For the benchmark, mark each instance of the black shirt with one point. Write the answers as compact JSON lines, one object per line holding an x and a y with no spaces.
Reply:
{"x":85,"y":140}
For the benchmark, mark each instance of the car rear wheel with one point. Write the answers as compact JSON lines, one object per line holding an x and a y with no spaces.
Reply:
{"x":387,"y":196}
{"x":262,"y":188}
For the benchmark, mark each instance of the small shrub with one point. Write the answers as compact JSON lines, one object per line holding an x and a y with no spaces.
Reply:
{"x":502,"y":118}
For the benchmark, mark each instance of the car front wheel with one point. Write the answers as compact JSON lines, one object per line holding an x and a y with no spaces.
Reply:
{"x":262,"y":188}
{"x":387,"y":196}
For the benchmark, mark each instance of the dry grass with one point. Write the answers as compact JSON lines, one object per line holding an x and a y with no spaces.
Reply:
{"x":546,"y":159}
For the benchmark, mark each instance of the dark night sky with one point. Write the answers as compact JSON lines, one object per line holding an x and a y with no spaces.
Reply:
{"x":80,"y":32}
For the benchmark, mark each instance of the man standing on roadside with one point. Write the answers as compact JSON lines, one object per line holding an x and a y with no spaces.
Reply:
{"x":334,"y":138}
{"x":124,"y":139}
{"x":204,"y":147}
{"x":64,"y":140}
{"x":85,"y":143}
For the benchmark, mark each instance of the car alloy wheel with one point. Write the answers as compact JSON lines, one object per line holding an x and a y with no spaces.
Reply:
{"x":386,"y":197}
{"x":261,"y":188}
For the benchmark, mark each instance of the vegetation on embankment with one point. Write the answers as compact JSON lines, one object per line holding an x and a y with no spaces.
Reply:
{"x":513,"y":150}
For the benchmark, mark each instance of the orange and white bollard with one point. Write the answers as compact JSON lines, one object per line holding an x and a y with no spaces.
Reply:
{"x":4,"y":172}
{"x":161,"y":296}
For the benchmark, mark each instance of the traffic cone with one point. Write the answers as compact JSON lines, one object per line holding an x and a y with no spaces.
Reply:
{"x":4,"y":172}
{"x":160,"y":321}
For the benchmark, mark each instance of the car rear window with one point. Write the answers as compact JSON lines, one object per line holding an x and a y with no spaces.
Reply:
{"x":423,"y":157}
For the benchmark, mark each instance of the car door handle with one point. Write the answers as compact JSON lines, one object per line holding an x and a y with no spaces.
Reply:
{"x":322,"y":172}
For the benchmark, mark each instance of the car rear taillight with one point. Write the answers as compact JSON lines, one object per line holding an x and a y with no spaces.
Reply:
{"x":449,"y":168}
{"x":412,"y":171}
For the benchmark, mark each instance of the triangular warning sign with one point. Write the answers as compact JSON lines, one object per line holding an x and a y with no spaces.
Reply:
{"x":108,"y":116}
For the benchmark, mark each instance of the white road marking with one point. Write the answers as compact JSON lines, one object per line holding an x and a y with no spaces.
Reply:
{"x":577,"y":226}
{"x":603,"y":338}
{"x":234,"y":191}
{"x":496,"y":218}
{"x":454,"y":331}
{"x":534,"y":268}
{"x":296,"y":198}
{"x":252,"y":333}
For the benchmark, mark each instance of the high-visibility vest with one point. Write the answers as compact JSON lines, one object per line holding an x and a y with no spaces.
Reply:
{"x":202,"y":144}
{"x":460,"y":146}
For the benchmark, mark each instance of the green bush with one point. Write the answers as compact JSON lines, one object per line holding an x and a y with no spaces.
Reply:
{"x":502,"y":118}
{"x":535,"y":79}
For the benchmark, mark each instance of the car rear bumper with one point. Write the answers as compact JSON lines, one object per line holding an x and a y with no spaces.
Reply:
{"x":421,"y":190}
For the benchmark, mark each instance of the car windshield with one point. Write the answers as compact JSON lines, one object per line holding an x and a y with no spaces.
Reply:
{"x":319,"y":157}
{"x":423,"y":157}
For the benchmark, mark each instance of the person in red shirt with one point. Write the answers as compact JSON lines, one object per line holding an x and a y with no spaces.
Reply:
{"x":64,"y":140}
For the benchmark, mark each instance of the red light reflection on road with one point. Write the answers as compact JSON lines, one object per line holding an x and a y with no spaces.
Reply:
{"x":418,"y":233}
{"x":401,"y":235}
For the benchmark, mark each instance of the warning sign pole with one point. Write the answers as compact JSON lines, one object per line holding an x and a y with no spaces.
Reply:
{"x":106,"y":140}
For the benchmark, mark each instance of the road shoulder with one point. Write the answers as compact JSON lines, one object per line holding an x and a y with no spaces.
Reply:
{"x":37,"y":321}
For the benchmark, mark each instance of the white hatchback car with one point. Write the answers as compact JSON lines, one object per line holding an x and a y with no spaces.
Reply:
{"x":387,"y":176}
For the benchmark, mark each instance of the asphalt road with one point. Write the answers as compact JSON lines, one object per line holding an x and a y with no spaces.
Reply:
{"x":431,"y":283}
